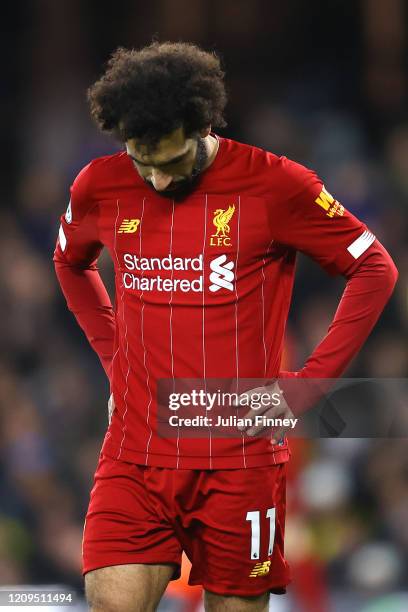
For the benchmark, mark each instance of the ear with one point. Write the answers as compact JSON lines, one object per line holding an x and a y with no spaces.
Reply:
{"x":205,"y":132}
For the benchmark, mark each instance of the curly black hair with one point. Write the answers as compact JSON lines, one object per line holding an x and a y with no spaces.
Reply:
{"x":148,"y":93}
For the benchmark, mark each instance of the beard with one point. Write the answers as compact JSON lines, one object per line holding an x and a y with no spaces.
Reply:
{"x":182,"y":188}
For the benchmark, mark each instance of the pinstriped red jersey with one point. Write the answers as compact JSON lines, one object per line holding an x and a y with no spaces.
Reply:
{"x":203,"y":285}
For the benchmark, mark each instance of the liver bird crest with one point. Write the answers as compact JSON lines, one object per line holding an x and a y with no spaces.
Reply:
{"x":221,"y":219}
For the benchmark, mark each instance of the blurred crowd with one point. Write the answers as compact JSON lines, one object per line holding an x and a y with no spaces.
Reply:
{"x":298,"y":88}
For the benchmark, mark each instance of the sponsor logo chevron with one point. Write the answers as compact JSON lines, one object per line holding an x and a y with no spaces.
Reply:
{"x":138,"y":275}
{"x":221,"y":276}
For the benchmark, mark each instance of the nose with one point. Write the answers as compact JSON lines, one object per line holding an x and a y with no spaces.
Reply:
{"x":160,"y":180}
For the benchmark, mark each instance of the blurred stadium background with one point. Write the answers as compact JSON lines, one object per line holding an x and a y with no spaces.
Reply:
{"x":324,"y":83}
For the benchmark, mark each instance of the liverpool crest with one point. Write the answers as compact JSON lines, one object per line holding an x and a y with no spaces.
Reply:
{"x":221,"y":222}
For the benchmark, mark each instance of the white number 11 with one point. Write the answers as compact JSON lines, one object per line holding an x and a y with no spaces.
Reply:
{"x":254,"y":517}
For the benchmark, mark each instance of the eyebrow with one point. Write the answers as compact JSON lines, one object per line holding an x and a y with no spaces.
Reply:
{"x":174,"y":160}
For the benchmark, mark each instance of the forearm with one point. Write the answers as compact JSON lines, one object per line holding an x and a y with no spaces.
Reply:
{"x":367,"y":291}
{"x":89,"y":301}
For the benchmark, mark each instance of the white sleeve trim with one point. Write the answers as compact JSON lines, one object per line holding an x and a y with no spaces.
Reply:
{"x":361,"y":244}
{"x":62,"y":238}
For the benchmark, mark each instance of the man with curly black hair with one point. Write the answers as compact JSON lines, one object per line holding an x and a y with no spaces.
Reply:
{"x":203,"y":232}
{"x":168,"y":94}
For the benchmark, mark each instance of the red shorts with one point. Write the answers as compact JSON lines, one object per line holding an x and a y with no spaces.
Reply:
{"x":230,"y":523}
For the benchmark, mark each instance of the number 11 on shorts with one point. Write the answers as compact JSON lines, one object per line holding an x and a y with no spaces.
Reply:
{"x":254,"y":517}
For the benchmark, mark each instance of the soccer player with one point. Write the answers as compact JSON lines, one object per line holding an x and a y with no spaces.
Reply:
{"x":203,"y":232}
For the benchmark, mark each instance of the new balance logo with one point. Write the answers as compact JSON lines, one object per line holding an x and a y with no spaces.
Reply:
{"x":128,"y":226}
{"x":221,"y":276}
{"x":260,"y":569}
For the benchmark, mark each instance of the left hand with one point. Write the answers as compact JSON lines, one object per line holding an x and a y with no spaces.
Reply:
{"x":281,"y":410}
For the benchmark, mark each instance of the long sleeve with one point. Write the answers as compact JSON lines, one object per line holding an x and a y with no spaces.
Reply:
{"x":76,"y":253}
{"x":89,"y":301}
{"x":367,"y":291}
{"x":321,"y":227}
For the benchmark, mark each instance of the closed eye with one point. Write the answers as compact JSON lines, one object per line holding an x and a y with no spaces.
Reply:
{"x":171,"y":162}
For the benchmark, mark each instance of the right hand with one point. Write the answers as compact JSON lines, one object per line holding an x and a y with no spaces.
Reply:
{"x":111,"y":408}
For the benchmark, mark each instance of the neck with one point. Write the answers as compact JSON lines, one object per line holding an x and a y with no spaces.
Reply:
{"x":211,"y":144}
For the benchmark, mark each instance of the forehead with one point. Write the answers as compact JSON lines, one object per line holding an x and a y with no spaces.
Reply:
{"x":169,"y":146}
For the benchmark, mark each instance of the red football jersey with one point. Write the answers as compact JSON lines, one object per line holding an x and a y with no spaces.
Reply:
{"x":203,"y":285}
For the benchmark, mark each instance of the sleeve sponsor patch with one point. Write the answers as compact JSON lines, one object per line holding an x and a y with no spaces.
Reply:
{"x":326,"y":201}
{"x":68,"y":214}
{"x":361,"y":244}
